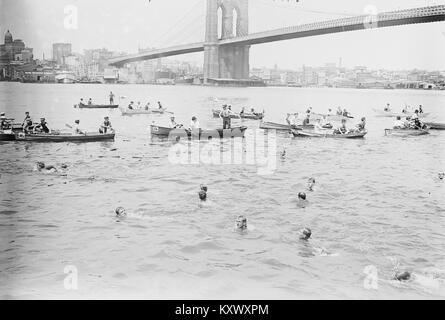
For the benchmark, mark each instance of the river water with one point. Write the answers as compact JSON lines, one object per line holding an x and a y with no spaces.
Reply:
{"x":377,"y":203}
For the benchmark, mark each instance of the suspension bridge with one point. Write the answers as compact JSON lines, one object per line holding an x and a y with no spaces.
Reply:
{"x":227,"y":39}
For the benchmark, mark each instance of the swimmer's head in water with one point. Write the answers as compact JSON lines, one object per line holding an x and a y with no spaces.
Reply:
{"x":120,"y":212}
{"x":203,"y":188}
{"x":40,"y":165}
{"x":441,"y":175}
{"x":241,"y":223}
{"x":64,"y":166}
{"x":302,"y":196}
{"x":202,"y":195}
{"x":403,"y":276}
{"x":305,"y":234}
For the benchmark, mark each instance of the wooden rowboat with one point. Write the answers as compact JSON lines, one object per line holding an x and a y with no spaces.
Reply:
{"x":204,"y":134}
{"x":307,"y":134}
{"x":391,"y":114}
{"x":87,"y":137}
{"x":406,"y":132}
{"x":96,"y":106}
{"x":283,"y":127}
{"x":435,"y":125}
{"x":129,"y":112}
{"x":245,"y":115}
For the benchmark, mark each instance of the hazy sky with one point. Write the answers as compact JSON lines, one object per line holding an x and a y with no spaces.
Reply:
{"x":126,"y":25}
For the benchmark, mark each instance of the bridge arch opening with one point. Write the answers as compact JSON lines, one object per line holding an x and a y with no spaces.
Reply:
{"x":220,"y":16}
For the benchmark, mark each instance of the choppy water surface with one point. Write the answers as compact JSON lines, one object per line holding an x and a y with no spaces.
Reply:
{"x":377,"y":201}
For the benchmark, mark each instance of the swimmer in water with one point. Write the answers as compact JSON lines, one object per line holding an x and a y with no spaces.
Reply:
{"x":203,"y":193}
{"x":402,"y":276}
{"x":41,"y":167}
{"x":302,"y":202}
{"x":305,"y":234}
{"x":241,"y":223}
{"x":441,"y":175}
{"x":311,"y":184}
{"x":120,"y":212}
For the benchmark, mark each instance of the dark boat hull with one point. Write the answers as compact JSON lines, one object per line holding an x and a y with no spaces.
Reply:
{"x":7,"y":137}
{"x":354,"y":135}
{"x":250,"y":116}
{"x":435,"y":125}
{"x":88,"y":137}
{"x":206,"y":134}
{"x":97,"y":106}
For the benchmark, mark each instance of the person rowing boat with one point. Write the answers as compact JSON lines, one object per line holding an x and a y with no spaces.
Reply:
{"x":27,"y":122}
{"x":362,"y":125}
{"x":173,"y":124}
{"x":42,"y":127}
{"x":399,"y":123}
{"x":106,"y":126}
{"x":76,"y":128}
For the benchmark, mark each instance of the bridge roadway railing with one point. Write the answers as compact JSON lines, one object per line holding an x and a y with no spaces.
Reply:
{"x":364,"y":20}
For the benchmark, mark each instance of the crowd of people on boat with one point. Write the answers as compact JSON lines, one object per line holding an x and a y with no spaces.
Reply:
{"x":412,"y":122}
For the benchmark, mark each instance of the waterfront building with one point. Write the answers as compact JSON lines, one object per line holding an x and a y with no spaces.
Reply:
{"x":60,"y":52}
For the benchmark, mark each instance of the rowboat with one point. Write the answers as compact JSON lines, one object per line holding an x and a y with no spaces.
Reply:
{"x":129,"y":112}
{"x":406,"y":132}
{"x":330,"y":117}
{"x":201,"y":134}
{"x":391,"y":114}
{"x":65,"y":137}
{"x":7,"y":135}
{"x":283,"y":127}
{"x":245,"y":115}
{"x":307,"y":134}
{"x":96,"y":106}
{"x":435,"y":125}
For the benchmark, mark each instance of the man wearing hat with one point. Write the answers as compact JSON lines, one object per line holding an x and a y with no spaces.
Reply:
{"x":4,"y":123}
{"x":225,"y":115}
{"x":173,"y":123}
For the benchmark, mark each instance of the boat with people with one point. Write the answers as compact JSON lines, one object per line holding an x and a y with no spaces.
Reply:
{"x":96,"y":106}
{"x":267,"y":125}
{"x":130,"y":112}
{"x":235,"y":132}
{"x":65,"y":137}
{"x":406,"y":132}
{"x":241,"y":115}
{"x":392,"y":114}
{"x":435,"y":125}
{"x":329,"y":134}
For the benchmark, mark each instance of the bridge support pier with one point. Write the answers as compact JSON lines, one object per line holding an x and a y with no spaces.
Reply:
{"x":226,"y":62}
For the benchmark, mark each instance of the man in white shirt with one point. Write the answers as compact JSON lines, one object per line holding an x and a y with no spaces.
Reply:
{"x":194,"y":124}
{"x":399,"y":123}
{"x":291,"y":119}
{"x":76,"y":128}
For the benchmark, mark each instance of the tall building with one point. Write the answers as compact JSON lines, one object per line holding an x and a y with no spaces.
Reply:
{"x":60,"y":51}
{"x":13,"y":53}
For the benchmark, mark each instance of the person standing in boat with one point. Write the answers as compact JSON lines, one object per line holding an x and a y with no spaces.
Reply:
{"x":420,"y":109}
{"x":42,"y":126}
{"x":106,"y":126}
{"x":225,"y":116}
{"x":27,"y":122}
{"x":342,"y":129}
{"x":160,"y":105}
{"x":111,"y":98}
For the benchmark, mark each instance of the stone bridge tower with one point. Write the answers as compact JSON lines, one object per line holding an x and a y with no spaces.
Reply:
{"x":226,"y":19}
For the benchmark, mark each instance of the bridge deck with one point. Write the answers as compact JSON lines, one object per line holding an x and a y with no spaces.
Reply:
{"x":387,"y":19}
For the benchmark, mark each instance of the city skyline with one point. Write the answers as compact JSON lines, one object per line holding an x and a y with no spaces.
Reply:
{"x":389,"y":48}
